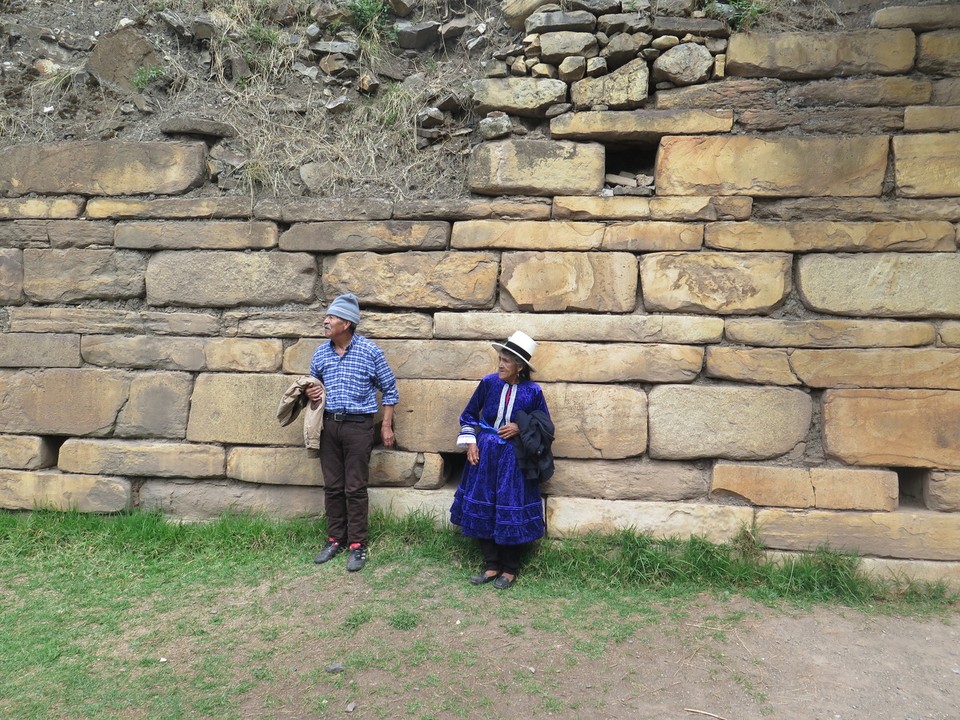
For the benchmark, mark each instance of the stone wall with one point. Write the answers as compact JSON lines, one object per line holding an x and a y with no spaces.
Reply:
{"x":772,"y":339}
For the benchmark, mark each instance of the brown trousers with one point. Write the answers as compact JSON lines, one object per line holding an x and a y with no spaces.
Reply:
{"x":345,"y":449}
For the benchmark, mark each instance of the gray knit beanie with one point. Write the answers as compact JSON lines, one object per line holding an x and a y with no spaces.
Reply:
{"x":346,"y":307}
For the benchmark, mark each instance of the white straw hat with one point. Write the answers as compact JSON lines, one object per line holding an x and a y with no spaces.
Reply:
{"x":521,"y":346}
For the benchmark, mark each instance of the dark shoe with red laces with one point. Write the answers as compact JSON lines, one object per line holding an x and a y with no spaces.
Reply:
{"x":330,"y":551}
{"x":357,"y":557}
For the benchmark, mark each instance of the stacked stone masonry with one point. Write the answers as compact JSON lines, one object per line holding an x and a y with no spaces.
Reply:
{"x":771,"y":339}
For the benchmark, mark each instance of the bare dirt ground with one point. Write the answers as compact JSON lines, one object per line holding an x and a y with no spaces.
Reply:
{"x":478,"y":653}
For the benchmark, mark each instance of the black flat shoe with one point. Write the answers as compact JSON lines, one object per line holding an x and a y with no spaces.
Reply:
{"x":481,"y":579}
{"x":503,"y":582}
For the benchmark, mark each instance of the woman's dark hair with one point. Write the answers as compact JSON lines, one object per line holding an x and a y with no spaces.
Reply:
{"x":524,"y":372}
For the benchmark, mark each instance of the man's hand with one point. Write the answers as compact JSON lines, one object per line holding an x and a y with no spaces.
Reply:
{"x":473,"y":454}
{"x":386,"y":434}
{"x":314,"y":392}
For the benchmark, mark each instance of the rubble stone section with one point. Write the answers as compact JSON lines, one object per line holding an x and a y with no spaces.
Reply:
{"x":824,"y":488}
{"x":577,"y":282}
{"x":536,"y":167}
{"x":908,"y":428}
{"x":570,"y":516}
{"x":795,"y":55}
{"x":52,"y":490}
{"x":771,"y":166}
{"x":722,"y":283}
{"x":26,"y":452}
{"x":736,"y":423}
{"x":881,"y":284}
{"x":925,"y":535}
{"x":90,"y":167}
{"x":414,"y":279}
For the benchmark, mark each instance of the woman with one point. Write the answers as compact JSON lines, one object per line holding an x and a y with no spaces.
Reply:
{"x":498,"y":501}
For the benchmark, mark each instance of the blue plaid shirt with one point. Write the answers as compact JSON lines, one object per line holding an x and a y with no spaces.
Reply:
{"x":352,"y":381}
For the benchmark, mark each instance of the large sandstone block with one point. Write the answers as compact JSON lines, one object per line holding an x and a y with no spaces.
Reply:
{"x":921,"y":19}
{"x":796,"y":55}
{"x":293,"y":324}
{"x":879,"y":367}
{"x":722,"y":283}
{"x":374,"y":236}
{"x":500,"y":234}
{"x":90,"y":167}
{"x":51,"y":490}
{"x":274,"y":466}
{"x":450,"y":280}
{"x":537,"y":167}
{"x":684,"y":329}
{"x":649,"y":480}
{"x":939,"y":52}
{"x":11,"y":276}
{"x":643,"y":126}
{"x":556,"y":46}
{"x":731,"y":93}
{"x":141,"y":458}
{"x":760,"y":366}
{"x":157,"y":406}
{"x":169,"y":208}
{"x":626,"y":207}
{"x":62,"y":401}
{"x":823,"y":488}
{"x":931,"y":118}
{"x":208,"y":235}
{"x":440,"y":359}
{"x":56,"y":233}
{"x":941,"y":490}
{"x":882,"y":284}
{"x":945,"y":92}
{"x":591,"y":421}
{"x":402,"y":502}
{"x":227,"y":354}
{"x":914,"y":236}
{"x":88,"y":321}
{"x":293,"y":210}
{"x":892,"y":91}
{"x":919,"y":535}
{"x":625,"y":88}
{"x":950,"y":333}
{"x":524,"y":96}
{"x":826,"y":333}
{"x":568,"y":516}
{"x":653,"y":236}
{"x":842,"y":121}
{"x":27,"y":452}
{"x":771,"y":166}
{"x":858,"y":209}
{"x":225,"y":279}
{"x":40,"y":208}
{"x":59,"y":276}
{"x":473,"y":209}
{"x":241,"y":409}
{"x":33,"y":350}
{"x":911,"y":428}
{"x":544,"y":282}
{"x":737,"y":423}
{"x":928,"y":164}
{"x":190,"y":501}
{"x":617,"y":362}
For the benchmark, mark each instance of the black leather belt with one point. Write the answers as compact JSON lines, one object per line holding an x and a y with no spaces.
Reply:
{"x":346,"y":417}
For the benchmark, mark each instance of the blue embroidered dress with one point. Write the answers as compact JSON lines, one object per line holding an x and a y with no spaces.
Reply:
{"x":494,"y":501}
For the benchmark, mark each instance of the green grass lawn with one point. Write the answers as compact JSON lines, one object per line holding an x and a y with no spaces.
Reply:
{"x":131,"y":616}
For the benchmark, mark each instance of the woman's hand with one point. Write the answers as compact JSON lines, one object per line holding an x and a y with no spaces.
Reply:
{"x":508,"y":431}
{"x":473,"y":454}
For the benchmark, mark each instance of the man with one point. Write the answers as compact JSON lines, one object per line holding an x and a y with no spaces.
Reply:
{"x":352,"y":369}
